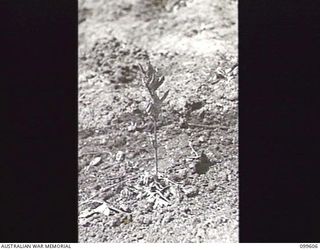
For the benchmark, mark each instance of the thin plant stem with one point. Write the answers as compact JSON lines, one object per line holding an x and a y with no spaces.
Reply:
{"x":155,"y":145}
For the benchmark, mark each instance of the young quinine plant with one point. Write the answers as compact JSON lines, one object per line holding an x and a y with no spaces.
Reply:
{"x":152,"y":82}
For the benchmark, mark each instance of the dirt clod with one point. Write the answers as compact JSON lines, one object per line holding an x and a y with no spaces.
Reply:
{"x":190,"y":191}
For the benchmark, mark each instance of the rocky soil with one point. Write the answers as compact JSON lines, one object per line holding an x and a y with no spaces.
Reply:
{"x":193,"y":43}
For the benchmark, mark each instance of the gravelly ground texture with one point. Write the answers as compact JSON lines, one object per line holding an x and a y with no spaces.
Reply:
{"x":193,"y":43}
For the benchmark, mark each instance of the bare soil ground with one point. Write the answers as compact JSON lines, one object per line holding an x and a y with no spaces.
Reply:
{"x":193,"y":43}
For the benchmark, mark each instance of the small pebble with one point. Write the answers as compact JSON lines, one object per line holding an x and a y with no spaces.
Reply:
{"x":115,"y":222}
{"x":180,"y":175}
{"x":147,"y":221}
{"x":92,"y":235}
{"x":136,"y":133}
{"x":131,"y":155}
{"x":125,"y":208}
{"x":191,"y":191}
{"x":212,"y":187}
{"x":232,"y":96}
{"x":120,"y":156}
{"x":201,"y":139}
{"x":132,"y":127}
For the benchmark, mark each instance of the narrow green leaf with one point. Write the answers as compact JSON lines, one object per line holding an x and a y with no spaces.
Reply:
{"x":164,"y":96}
{"x":151,"y":82}
{"x":150,"y":70}
{"x":158,"y":83}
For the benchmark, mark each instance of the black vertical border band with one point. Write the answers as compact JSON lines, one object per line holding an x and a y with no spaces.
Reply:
{"x":279,"y":123}
{"x":39,"y":122}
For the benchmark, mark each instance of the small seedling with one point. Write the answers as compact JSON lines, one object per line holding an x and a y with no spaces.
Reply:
{"x":152,"y":82}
